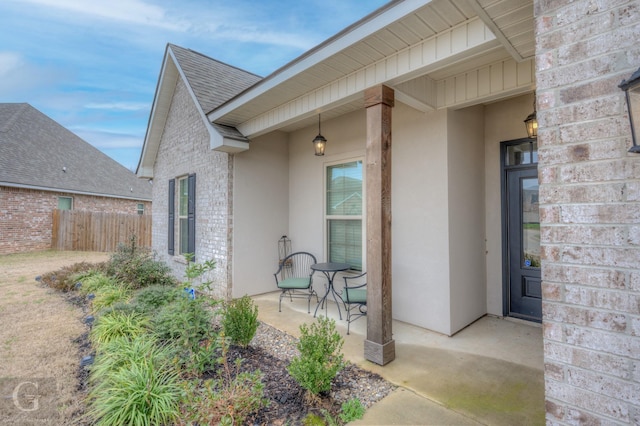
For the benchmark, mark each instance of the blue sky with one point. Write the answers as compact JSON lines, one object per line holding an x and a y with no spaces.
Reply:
{"x":93,"y":65}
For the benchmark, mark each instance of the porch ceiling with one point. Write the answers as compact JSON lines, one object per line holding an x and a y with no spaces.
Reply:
{"x":395,"y":28}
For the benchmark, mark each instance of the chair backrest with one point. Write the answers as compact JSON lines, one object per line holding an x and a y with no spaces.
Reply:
{"x":355,"y":289}
{"x":296,"y":265}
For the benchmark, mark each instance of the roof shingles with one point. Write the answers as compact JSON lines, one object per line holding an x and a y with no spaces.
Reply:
{"x":36,"y":151}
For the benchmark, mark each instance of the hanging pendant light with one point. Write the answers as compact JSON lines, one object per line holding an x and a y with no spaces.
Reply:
{"x":532,"y":121}
{"x":319,"y":142}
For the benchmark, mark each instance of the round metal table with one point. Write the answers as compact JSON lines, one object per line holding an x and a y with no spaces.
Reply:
{"x":330,"y":269}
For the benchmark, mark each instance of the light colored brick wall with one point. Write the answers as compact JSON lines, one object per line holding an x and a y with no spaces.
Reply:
{"x":590,"y":210}
{"x":184,"y":149}
{"x":26,"y":215}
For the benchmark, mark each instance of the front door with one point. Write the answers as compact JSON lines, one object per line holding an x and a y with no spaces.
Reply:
{"x":523,"y":294}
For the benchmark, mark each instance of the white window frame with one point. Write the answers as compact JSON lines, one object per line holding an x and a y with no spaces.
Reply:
{"x":66,"y":198}
{"x":326,"y":217}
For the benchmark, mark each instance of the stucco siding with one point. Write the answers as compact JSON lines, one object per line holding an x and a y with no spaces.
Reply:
{"x":466,"y":172}
{"x":261,"y":212}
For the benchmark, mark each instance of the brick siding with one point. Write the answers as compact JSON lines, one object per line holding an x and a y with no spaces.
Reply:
{"x":590,"y":210}
{"x":184,"y":149}
{"x":26,"y":215}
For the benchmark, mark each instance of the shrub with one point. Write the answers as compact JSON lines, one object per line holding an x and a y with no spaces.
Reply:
{"x":134,"y":384}
{"x":137,"y":267}
{"x":229,"y":399}
{"x":91,"y":283}
{"x":115,"y":325}
{"x":150,"y":299}
{"x":240,"y":320}
{"x":351,"y":410}
{"x":108,"y":295}
{"x":65,"y":278}
{"x":187,"y":326}
{"x":320,"y":358}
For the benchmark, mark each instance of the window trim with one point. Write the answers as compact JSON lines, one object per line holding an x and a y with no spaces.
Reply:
{"x":66,"y":198}
{"x":362,"y":217}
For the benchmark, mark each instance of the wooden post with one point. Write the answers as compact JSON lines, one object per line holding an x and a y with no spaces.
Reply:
{"x":379,"y":346}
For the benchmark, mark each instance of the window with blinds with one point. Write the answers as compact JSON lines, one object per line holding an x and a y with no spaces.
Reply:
{"x":344,"y":201}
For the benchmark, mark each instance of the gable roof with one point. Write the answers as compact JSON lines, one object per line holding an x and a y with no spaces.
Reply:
{"x":38,"y":153}
{"x":210,"y":84}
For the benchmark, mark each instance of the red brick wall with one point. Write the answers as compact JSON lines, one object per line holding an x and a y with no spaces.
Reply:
{"x":25,"y":215}
{"x":590,"y":210}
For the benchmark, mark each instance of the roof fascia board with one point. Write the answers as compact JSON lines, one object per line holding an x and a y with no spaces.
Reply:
{"x":217,"y":142}
{"x":158,"y":117}
{"x":356,"y":32}
{"x":467,"y":39}
{"x":68,"y":191}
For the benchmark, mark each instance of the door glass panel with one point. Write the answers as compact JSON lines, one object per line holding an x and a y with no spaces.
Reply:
{"x":530,"y":223}
{"x":521,"y":153}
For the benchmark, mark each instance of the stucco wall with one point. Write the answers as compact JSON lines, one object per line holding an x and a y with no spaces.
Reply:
{"x":184,"y":149}
{"x":261,"y":212}
{"x":589,"y":210}
{"x":26,"y":215}
{"x":466,"y":201}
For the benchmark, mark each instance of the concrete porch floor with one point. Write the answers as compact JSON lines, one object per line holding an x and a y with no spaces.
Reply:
{"x":490,"y":373}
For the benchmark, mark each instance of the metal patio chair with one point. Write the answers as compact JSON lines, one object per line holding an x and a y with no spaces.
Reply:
{"x":294,"y":277}
{"x":354,"y":296}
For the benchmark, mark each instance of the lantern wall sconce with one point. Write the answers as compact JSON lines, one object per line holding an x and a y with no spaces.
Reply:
{"x":631,"y":88}
{"x":531,"y":122}
{"x":319,"y":143}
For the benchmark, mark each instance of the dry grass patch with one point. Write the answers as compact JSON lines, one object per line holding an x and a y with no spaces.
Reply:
{"x":38,"y":328}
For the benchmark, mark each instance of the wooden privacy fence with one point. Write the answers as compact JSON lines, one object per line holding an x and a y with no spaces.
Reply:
{"x":96,"y":231}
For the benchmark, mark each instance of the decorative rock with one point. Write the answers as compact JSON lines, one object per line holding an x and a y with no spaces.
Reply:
{"x":38,"y":278}
{"x":91,"y":296}
{"x":89,"y":320}
{"x":86,"y":361}
{"x":77,"y":285}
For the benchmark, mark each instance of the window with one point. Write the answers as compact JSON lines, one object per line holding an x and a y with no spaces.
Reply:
{"x":343,"y":214}
{"x":65,"y":203}
{"x":186,"y":192}
{"x":140,"y":208}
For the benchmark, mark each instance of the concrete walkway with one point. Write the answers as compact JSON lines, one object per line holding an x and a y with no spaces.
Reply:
{"x":490,"y":373}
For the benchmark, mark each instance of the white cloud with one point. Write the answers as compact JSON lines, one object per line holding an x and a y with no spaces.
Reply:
{"x":129,"y":11}
{"x":9,"y":62}
{"x":104,"y":139}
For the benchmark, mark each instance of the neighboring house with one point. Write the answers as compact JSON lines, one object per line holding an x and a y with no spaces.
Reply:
{"x":44,"y":167}
{"x":448,"y":230}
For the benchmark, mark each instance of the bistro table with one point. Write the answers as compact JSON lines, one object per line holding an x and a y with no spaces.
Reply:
{"x":330,"y":269}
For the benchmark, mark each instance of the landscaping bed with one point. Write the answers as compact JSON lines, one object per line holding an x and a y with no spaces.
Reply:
{"x":270,"y":352}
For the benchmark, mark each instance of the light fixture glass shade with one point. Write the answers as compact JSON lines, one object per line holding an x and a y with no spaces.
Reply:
{"x":532,"y":125}
{"x":319,"y":144}
{"x":631,"y":89}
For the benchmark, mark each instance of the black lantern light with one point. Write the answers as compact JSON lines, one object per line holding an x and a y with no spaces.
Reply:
{"x":631,"y":88}
{"x":532,"y":121}
{"x":319,"y":143}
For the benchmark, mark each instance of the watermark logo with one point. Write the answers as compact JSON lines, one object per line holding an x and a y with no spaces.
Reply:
{"x":31,"y":400}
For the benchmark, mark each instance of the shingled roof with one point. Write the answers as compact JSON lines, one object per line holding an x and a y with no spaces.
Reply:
{"x":37,"y":152}
{"x":213,"y":82}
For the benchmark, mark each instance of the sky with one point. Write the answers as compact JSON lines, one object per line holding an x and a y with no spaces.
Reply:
{"x":93,"y":65}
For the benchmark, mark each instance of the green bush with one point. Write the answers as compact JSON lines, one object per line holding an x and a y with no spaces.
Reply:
{"x":92,"y":283}
{"x":134,"y":384}
{"x":115,"y":325}
{"x":351,"y":410}
{"x":186,"y":325}
{"x":109,"y":295}
{"x":240,"y":320}
{"x":138,"y":267}
{"x":66,"y":278}
{"x":320,"y":358}
{"x":152,"y":298}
